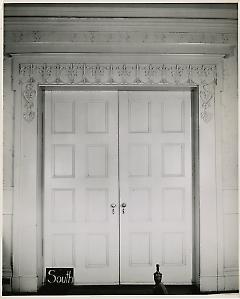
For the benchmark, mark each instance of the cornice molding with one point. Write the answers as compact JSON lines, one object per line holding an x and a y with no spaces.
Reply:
{"x":169,"y":10}
{"x":184,"y":75}
{"x":121,"y":24}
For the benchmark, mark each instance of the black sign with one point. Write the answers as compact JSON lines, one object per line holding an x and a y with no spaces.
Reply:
{"x":59,"y":276}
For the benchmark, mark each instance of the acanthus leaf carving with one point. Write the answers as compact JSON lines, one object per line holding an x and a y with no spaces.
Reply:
{"x":186,"y":75}
{"x":206,"y":93}
{"x":29,"y":93}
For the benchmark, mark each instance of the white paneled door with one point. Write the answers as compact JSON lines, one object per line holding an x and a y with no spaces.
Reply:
{"x":81,"y":182}
{"x":117,"y":185}
{"x":155,"y":184}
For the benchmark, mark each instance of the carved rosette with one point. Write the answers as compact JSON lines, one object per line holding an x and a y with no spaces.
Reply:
{"x":184,"y":75}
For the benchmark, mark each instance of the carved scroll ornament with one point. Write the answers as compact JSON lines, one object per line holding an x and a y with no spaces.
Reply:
{"x":203,"y":76}
{"x":29,"y":93}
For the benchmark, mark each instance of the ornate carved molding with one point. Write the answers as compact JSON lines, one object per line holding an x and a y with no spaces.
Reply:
{"x":206,"y":94}
{"x":29,"y":94}
{"x":120,"y":37}
{"x":204,"y":76}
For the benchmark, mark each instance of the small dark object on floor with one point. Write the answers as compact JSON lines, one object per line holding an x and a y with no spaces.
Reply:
{"x":159,"y":288}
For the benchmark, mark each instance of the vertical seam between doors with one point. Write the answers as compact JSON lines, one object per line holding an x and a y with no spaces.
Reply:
{"x":119,"y":203}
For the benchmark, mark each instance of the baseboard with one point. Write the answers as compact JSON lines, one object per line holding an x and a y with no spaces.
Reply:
{"x":208,"y":284}
{"x":6,"y":284}
{"x":231,"y":282}
{"x":223,"y":283}
{"x":25,"y":284}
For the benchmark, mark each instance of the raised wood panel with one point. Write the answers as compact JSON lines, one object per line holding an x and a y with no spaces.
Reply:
{"x":140,"y":249}
{"x":139,"y":116}
{"x":139,"y":160}
{"x":97,"y":160}
{"x":173,"y":159}
{"x":173,"y":203}
{"x":63,"y":160}
{"x":97,"y":205}
{"x":62,"y":205}
{"x":173,"y":249}
{"x":97,"y":254}
{"x":172,"y":116}
{"x":97,"y":117}
{"x":63,"y":249}
{"x":63,"y":119}
{"x":230,"y":241}
{"x":140,"y":204}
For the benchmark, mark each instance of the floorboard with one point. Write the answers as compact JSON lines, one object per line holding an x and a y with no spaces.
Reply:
{"x":116,"y":290}
{"x":121,"y":290}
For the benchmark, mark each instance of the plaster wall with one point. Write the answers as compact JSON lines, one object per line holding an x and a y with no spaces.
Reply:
{"x":8,"y":152}
{"x":229,"y":148}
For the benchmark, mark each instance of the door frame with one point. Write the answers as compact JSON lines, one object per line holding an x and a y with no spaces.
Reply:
{"x":30,"y":79}
{"x":194,"y":132}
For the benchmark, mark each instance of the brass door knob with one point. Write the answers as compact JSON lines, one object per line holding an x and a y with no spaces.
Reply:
{"x":113,"y":205}
{"x":123,"y":207}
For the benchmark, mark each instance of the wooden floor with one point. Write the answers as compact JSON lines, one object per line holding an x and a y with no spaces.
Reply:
{"x":116,"y":290}
{"x":120,"y":290}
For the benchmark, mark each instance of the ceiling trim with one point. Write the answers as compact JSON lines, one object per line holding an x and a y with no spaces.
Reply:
{"x":164,"y":10}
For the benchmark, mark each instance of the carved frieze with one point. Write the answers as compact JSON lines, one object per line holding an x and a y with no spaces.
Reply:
{"x":120,"y":37}
{"x":204,"y":76}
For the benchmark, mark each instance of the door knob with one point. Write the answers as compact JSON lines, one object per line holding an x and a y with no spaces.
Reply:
{"x":123,"y":207}
{"x":113,"y":205}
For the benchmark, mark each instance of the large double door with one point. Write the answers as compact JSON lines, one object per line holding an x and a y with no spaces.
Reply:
{"x":118,"y":185}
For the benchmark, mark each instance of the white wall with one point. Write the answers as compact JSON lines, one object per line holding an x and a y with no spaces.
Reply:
{"x":229,"y":148}
{"x":8,"y":126}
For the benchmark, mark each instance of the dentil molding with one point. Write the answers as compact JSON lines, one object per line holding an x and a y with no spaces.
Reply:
{"x":184,"y":75}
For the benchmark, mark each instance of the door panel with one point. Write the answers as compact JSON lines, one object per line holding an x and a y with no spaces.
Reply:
{"x":155,"y":184}
{"x":81,"y":181}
